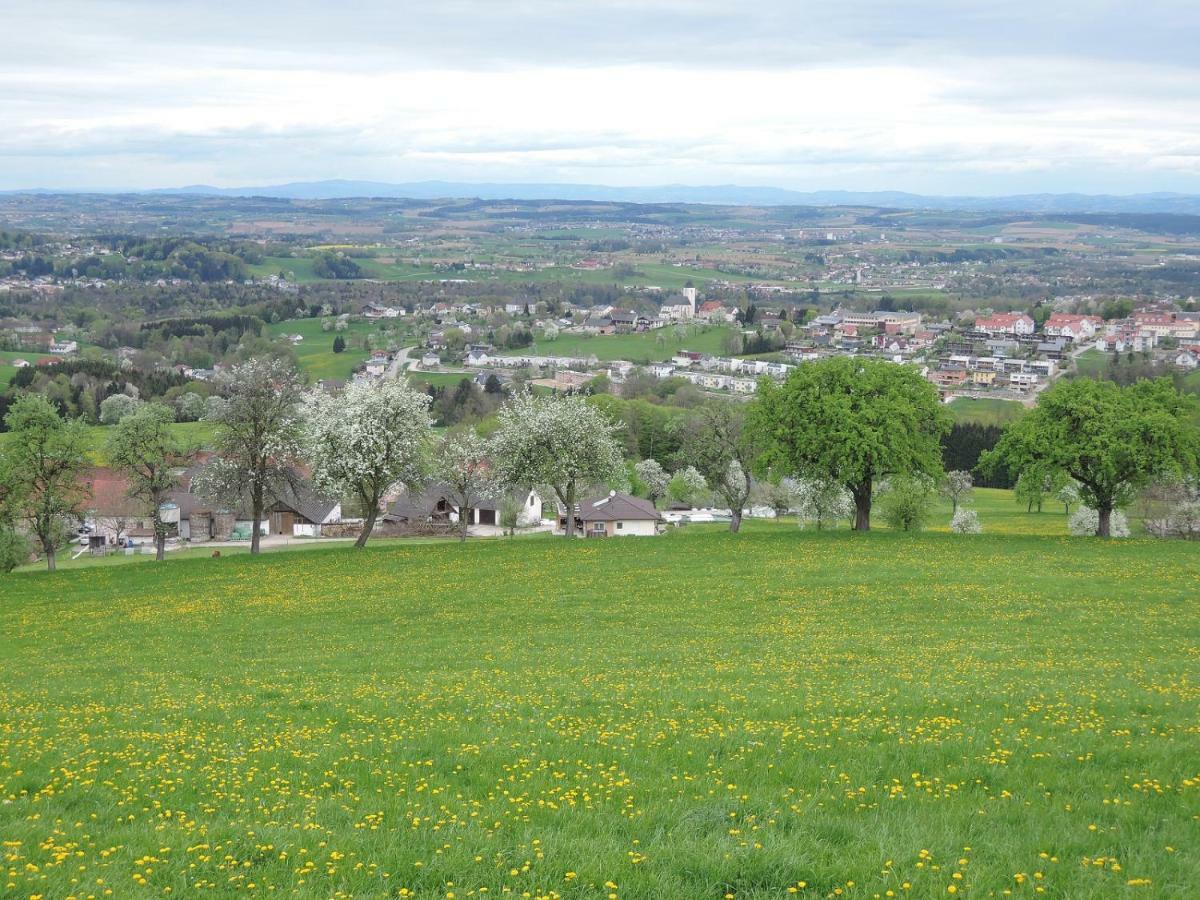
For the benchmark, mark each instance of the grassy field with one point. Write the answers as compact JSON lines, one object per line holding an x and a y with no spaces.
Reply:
{"x":315,"y":353}
{"x":696,"y":716}
{"x":192,"y":434}
{"x":1091,"y":363}
{"x":642,"y":347}
{"x":7,"y":369}
{"x":987,"y":411}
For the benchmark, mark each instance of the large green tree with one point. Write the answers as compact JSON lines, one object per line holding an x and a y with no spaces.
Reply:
{"x":1112,"y":440}
{"x":851,"y":421}
{"x":145,"y":448}
{"x":43,"y":460}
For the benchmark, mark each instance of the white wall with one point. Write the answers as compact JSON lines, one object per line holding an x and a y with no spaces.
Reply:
{"x":636,"y":528}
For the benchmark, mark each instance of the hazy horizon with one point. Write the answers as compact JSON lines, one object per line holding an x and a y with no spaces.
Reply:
{"x":932,"y":99}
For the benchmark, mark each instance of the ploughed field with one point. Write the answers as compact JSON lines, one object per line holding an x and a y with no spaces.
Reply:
{"x":779,"y":714}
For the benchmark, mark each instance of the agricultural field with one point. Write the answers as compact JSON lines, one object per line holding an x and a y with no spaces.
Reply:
{"x":642,"y":347}
{"x":780,"y":713}
{"x":299,"y":269}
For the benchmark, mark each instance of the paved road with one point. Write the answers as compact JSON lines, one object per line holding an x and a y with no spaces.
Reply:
{"x":399,"y":362}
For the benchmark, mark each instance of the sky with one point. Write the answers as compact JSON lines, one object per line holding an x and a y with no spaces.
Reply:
{"x":929,"y":96}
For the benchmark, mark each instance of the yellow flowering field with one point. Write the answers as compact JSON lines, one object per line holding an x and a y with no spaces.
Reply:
{"x":778,"y":714}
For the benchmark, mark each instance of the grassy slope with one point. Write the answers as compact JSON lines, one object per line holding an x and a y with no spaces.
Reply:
{"x":684,"y":717}
{"x":193,"y":434}
{"x":985,"y":411}
{"x":7,"y":370}
{"x":315,"y":353}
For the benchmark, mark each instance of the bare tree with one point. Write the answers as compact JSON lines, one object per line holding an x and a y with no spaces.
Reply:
{"x":258,"y":436}
{"x":716,"y":441}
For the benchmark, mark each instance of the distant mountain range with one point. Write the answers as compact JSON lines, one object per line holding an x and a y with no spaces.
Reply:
{"x":731,"y":195}
{"x":725,"y":195}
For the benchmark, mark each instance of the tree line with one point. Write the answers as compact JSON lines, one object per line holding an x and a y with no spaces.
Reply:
{"x":836,"y":436}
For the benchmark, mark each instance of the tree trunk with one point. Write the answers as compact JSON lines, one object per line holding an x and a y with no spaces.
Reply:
{"x":735,"y":521}
{"x":368,"y":526}
{"x":954,"y":506}
{"x":862,"y":506}
{"x":48,"y":546}
{"x":160,"y":536}
{"x":569,"y":500}
{"x":255,"y":518}
{"x":464,"y":523}
{"x":1104,"y":521}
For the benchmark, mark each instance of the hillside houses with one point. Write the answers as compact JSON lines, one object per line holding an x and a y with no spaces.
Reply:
{"x":1006,"y":323}
{"x":1073,"y":328}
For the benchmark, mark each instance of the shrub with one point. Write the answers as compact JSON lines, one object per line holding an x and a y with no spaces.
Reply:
{"x":966,"y":521}
{"x":14,"y":549}
{"x":906,"y":502}
{"x":1085,"y":522}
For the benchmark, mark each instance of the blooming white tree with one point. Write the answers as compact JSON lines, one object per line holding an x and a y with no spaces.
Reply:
{"x":780,"y":494}
{"x":966,"y":521}
{"x":115,"y":408}
{"x":190,"y":407}
{"x":1068,"y":495}
{"x":561,"y":442}
{"x":461,"y":463}
{"x":822,"y":502}
{"x":366,"y":440}
{"x":956,"y":487}
{"x":1086,"y":522}
{"x":257,"y":438}
{"x":654,"y":477}
{"x":688,"y":486}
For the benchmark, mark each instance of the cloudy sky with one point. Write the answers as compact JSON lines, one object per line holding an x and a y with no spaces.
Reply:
{"x":934,"y":96}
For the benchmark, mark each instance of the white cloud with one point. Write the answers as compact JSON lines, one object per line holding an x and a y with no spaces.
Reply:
{"x":941,"y":99}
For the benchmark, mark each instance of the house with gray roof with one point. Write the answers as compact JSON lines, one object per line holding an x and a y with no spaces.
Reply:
{"x":614,"y":515}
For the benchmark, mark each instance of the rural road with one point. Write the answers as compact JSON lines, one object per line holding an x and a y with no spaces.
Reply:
{"x":399,"y":362}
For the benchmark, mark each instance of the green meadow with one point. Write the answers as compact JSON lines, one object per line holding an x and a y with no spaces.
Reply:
{"x":191,"y":434}
{"x":315,"y":353}
{"x":779,"y":713}
{"x":985,"y":410}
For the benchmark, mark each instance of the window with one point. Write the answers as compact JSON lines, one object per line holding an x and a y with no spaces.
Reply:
{"x":598,"y":527}
{"x":620,"y":525}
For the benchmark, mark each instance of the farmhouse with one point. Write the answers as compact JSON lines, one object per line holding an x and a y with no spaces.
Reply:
{"x":371,"y":311}
{"x":615,"y":515}
{"x":434,"y":505}
{"x":298,"y":511}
